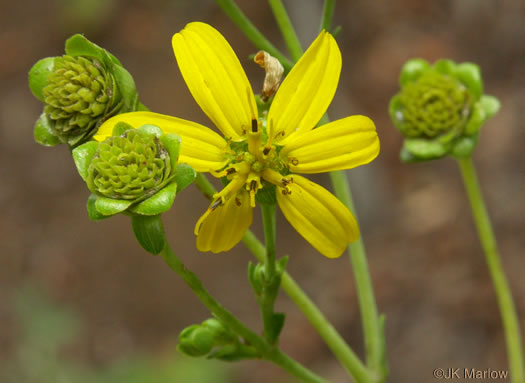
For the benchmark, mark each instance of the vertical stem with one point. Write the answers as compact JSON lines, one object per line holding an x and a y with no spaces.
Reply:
{"x":372,"y":328}
{"x":287,"y":30}
{"x":328,"y":14}
{"x":254,"y":35}
{"x":326,"y":330}
{"x":488,"y":241}
{"x":268,"y":214}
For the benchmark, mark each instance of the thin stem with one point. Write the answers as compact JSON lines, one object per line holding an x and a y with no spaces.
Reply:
{"x":205,"y":186}
{"x":272,"y":279}
{"x":326,"y":330}
{"x":287,"y":29}
{"x":501,"y":286}
{"x":251,"y":32}
{"x":267,"y":351}
{"x":328,"y":14}
{"x":372,"y":328}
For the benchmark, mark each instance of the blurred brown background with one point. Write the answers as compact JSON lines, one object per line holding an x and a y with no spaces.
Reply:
{"x":428,"y":269}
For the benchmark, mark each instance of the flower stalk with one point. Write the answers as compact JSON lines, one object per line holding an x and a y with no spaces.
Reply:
{"x":509,"y":316}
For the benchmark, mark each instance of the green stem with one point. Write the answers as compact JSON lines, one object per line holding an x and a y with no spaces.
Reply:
{"x":287,"y":30}
{"x":501,"y":286}
{"x":328,"y":15}
{"x":254,"y":35}
{"x":326,"y":330}
{"x":268,"y":352}
{"x":272,"y":279}
{"x":372,"y":326}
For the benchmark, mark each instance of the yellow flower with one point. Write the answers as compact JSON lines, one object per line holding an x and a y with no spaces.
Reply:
{"x":255,"y":153}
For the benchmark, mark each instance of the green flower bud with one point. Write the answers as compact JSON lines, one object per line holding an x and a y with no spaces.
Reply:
{"x":196,"y":340}
{"x":440,"y":109}
{"x":80,"y":90}
{"x":79,"y":93}
{"x":134,"y":170}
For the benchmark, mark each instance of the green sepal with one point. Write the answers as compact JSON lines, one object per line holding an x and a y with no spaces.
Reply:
{"x":425,"y":149}
{"x":149,"y":232}
{"x":195,"y":340}
{"x":254,"y":278}
{"x":158,"y":203}
{"x":407,"y":157}
{"x":445,"y":66}
{"x":476,"y":120}
{"x":43,"y":134}
{"x":120,"y":128}
{"x":464,"y":146}
{"x":183,"y":176}
{"x":109,"y":206}
{"x":490,"y":105}
{"x":171,"y":142}
{"x":82,"y":155}
{"x":78,"y":45}
{"x":93,"y":213}
{"x":150,"y":131}
{"x":126,"y":86}
{"x":470,"y":75}
{"x":394,"y":109}
{"x":276,"y":326}
{"x":142,"y":108}
{"x":282,"y":263}
{"x":235,"y":352}
{"x":38,"y":76}
{"x":412,"y":70}
{"x":266,"y":195}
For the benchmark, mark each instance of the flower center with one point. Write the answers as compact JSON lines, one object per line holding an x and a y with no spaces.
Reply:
{"x":254,"y":164}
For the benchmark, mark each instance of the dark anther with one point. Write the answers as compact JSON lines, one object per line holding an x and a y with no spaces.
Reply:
{"x":253,"y":185}
{"x":216,"y":204}
{"x":230,"y":171}
{"x":266,"y":151}
{"x":255,"y":126}
{"x":294,"y":161}
{"x":237,"y":201}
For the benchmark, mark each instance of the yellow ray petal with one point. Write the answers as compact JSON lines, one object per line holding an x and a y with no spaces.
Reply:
{"x":341,"y":144}
{"x":318,"y":216}
{"x":201,"y":148}
{"x":307,"y":91}
{"x":225,"y":226}
{"x":215,"y":78}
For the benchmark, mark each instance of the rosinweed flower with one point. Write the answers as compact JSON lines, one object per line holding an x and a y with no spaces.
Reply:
{"x":133,"y":171}
{"x":256,"y":154}
{"x":440,"y":109}
{"x":79,"y":91}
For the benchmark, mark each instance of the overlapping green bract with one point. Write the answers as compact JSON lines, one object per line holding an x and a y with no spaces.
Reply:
{"x":440,"y":109}
{"x":130,"y":167}
{"x":79,"y":90}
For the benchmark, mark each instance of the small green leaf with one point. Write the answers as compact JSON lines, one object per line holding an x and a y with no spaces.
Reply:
{"x":470,"y":75}
{"x":149,"y":232}
{"x":120,"y":128}
{"x":425,"y":149}
{"x":183,"y":176}
{"x":490,"y":105}
{"x":150,"y":131}
{"x":82,"y":155}
{"x":412,"y":70}
{"x":43,"y":133}
{"x":109,"y":206}
{"x":464,"y":146}
{"x":444,"y":66}
{"x":171,"y":142}
{"x":158,"y":203}
{"x":126,"y":87}
{"x":38,"y":76}
{"x":78,"y":45}
{"x":93,"y":213}
{"x":476,"y":120}
{"x":277,"y":324}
